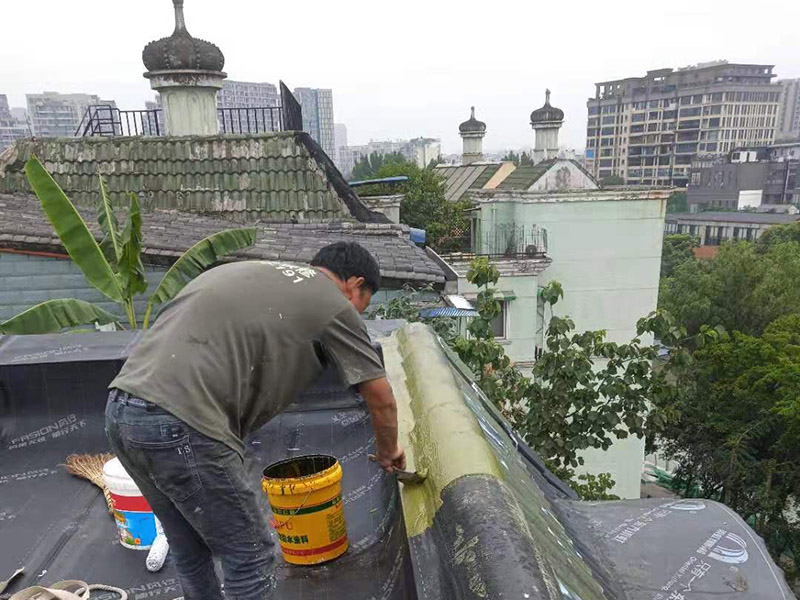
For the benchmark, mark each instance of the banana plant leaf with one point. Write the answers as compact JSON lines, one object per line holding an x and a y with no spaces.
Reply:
{"x":111,"y":244}
{"x":195,"y":260}
{"x":54,"y":315}
{"x":130,"y":268}
{"x":70,"y":227}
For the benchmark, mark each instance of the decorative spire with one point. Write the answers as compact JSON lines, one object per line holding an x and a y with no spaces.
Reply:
{"x":181,"y":51}
{"x":180,"y":24}
{"x":547,"y":114}
{"x":472,"y":125}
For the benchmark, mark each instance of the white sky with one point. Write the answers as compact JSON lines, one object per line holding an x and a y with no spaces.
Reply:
{"x":400,"y":69}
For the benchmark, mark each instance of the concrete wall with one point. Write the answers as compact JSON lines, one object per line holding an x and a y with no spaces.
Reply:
{"x":606,"y":254}
{"x":27,"y":280}
{"x":523,"y":326}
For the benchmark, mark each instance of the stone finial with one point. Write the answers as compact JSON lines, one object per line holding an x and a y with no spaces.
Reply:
{"x":547,"y":113}
{"x":472,"y":125}
{"x":181,"y":51}
{"x":180,"y":23}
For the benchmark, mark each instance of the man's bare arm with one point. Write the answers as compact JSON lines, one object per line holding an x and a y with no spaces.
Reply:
{"x":382,"y":406}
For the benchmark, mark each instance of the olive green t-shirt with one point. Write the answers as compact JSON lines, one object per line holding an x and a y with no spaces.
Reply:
{"x":239,"y":342}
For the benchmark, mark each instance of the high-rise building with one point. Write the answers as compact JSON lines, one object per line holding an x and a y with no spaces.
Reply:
{"x":789,"y":114}
{"x":13,"y":125}
{"x":340,"y":135}
{"x":249,"y":94}
{"x":318,"y":116}
{"x":339,"y":142}
{"x":58,"y":115}
{"x":648,"y":129}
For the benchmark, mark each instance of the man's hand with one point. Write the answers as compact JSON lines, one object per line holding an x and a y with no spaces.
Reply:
{"x":392,"y":460}
{"x":382,"y":407}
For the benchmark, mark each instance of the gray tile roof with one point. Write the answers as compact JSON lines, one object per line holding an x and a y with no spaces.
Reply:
{"x":276,"y":177}
{"x":733,"y":217}
{"x":167,"y":234}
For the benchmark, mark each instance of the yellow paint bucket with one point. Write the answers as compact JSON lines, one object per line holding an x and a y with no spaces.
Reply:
{"x":305,"y":494}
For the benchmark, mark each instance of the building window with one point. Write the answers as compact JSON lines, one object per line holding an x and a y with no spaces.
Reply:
{"x":498,"y":324}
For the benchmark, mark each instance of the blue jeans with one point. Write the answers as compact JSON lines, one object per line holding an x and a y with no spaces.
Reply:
{"x":199,"y":490}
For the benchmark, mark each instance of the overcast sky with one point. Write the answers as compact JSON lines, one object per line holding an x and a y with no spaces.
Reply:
{"x":400,"y":69}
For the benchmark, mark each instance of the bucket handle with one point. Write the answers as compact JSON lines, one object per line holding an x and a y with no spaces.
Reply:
{"x":274,"y":522}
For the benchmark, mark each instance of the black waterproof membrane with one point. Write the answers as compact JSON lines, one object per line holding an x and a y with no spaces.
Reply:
{"x":520,"y":537}
{"x":52,"y":399}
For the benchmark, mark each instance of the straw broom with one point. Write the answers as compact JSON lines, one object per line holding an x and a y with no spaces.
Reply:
{"x":90,"y":466}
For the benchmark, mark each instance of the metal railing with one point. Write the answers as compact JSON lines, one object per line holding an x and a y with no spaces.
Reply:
{"x":510,"y":240}
{"x":507,"y":240}
{"x":250,"y":120}
{"x":107,"y":120}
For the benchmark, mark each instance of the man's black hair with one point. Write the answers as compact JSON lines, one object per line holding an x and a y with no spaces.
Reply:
{"x":349,"y":259}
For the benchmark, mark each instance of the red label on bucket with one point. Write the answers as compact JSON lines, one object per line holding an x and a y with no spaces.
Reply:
{"x":135,"y":503}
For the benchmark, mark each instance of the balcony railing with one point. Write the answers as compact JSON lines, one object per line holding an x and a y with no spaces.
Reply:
{"x":107,"y":120}
{"x":504,"y":241}
{"x":110,"y":121}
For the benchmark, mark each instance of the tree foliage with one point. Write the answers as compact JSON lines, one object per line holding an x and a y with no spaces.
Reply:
{"x":736,"y":432}
{"x":520,"y":160}
{"x":744,"y":288}
{"x":424,"y":205}
{"x":678,"y":202}
{"x":612,"y":180}
{"x":676,"y":250}
{"x":778,"y":234}
{"x":408,"y":305}
{"x":584,"y":391}
{"x":367,"y":167}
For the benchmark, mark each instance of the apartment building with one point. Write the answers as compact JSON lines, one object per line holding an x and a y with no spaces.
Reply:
{"x":420,"y":151}
{"x":250,"y":95}
{"x":648,"y":129}
{"x":12,"y":125}
{"x":318,"y":116}
{"x":247,"y":94}
{"x":58,"y":115}
{"x":789,"y":114}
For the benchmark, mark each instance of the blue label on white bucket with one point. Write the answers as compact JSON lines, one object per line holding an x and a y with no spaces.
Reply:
{"x":136,"y":529}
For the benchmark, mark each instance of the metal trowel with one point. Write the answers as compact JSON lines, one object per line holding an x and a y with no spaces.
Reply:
{"x":408,"y":477}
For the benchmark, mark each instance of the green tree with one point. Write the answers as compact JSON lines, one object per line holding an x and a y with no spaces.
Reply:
{"x":408,"y":304}
{"x":434,"y":162}
{"x":367,"y":167}
{"x":676,"y":250}
{"x":114,"y":266}
{"x":744,"y":288}
{"x":677,"y":202}
{"x":520,"y":160}
{"x":777,"y":234}
{"x":735,"y":435}
{"x":425,"y":206}
{"x":612,"y":180}
{"x":572,"y":403}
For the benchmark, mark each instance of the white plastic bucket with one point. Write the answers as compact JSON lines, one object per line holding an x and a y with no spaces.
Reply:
{"x":136,"y":523}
